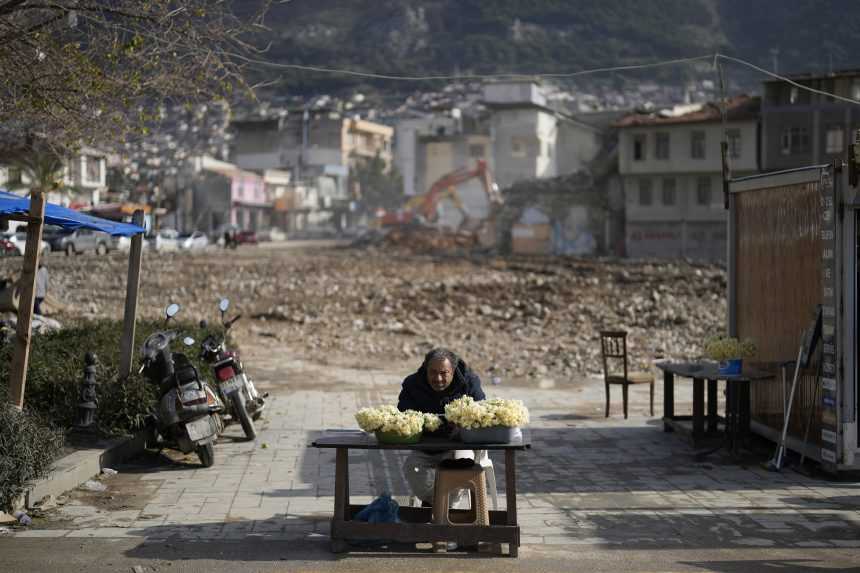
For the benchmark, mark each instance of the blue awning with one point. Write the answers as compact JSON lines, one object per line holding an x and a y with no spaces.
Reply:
{"x":11,"y":204}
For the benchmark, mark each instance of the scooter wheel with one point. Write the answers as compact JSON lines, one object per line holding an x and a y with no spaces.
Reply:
{"x":206,"y":453}
{"x":240,"y":411}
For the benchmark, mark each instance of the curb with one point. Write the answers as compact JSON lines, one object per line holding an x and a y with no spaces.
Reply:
{"x":71,"y":471}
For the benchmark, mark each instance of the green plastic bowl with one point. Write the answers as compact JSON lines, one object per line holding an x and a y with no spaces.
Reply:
{"x":395,"y":438}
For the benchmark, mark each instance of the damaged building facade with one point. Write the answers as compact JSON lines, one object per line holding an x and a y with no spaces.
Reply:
{"x":557,"y":171}
{"x":670,"y":165}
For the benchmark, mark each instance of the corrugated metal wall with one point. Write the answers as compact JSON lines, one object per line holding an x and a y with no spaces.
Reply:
{"x":778,"y":283}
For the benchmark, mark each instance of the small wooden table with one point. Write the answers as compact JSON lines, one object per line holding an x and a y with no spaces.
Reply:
{"x":737,"y":419}
{"x":415,"y":526}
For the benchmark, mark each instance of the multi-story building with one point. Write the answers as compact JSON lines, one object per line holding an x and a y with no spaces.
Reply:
{"x":800,"y":127}
{"x":211,"y":195}
{"x":670,"y":164}
{"x":431,"y":147}
{"x":532,"y":140}
{"x":317,"y":147}
{"x":84,"y":179}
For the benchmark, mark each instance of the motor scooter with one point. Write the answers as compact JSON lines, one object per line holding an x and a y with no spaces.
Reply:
{"x":187,"y":416}
{"x":235,"y":387}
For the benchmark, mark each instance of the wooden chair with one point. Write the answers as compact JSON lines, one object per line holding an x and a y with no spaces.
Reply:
{"x":613,"y":345}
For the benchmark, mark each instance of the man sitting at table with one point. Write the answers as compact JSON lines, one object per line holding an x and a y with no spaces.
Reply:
{"x":442,"y":378}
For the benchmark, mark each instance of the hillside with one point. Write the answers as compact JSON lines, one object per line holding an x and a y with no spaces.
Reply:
{"x":480,"y":36}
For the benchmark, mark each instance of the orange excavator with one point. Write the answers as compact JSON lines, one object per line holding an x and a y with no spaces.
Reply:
{"x":424,"y":208}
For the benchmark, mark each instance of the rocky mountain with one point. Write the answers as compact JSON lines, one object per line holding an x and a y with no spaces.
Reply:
{"x":479,"y":36}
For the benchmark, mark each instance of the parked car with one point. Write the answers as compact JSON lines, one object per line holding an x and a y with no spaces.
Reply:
{"x":19,"y":241}
{"x":124,"y":244}
{"x":165,"y":240}
{"x":192,"y":241}
{"x":272,"y":234}
{"x":54,"y":235}
{"x":246,"y":238}
{"x":87,"y":240}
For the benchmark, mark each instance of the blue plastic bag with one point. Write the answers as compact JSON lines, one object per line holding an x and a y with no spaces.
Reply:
{"x":383,"y":509}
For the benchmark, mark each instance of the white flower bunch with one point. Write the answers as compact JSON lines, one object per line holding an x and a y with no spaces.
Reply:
{"x":389,"y":419}
{"x":469,"y":414}
{"x":432,"y":422}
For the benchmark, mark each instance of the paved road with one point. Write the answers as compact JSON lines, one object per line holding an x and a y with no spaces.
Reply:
{"x":596,"y":495}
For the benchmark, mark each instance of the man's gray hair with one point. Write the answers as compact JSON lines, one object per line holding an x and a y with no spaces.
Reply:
{"x":441,"y":354}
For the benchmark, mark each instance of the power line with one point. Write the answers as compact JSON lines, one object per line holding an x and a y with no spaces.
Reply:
{"x":788,"y":80}
{"x":513,"y":75}
{"x":461,"y":77}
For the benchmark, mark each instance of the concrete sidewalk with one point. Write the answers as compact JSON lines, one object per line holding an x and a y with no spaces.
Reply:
{"x":588,"y":481}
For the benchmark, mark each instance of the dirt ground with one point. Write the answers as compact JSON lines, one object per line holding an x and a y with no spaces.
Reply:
{"x":516,"y":320}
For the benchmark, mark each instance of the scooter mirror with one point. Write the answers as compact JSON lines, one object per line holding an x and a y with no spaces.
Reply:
{"x":171,"y":310}
{"x":224,"y":304}
{"x":188,"y":341}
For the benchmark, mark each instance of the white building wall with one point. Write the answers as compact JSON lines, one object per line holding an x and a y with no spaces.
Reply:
{"x":680,"y":160}
{"x":577,"y":145}
{"x":516,"y":144}
{"x":514,"y":92}
{"x":685,"y":227}
{"x":547,"y":135}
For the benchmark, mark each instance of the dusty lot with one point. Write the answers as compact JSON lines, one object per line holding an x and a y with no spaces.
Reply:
{"x":521,"y":320}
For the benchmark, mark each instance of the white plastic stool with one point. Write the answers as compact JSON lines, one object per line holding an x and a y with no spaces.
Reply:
{"x":483,"y":458}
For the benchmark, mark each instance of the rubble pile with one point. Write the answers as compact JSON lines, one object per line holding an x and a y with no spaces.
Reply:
{"x":429,"y":240}
{"x":516,"y":319}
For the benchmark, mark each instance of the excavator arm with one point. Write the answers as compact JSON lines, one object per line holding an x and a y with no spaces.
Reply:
{"x":445,"y":187}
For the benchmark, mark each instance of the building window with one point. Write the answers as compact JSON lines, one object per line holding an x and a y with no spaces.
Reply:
{"x":835,"y":142}
{"x":734,"y":139}
{"x":703,"y":190}
{"x":518,"y":147}
{"x":13,"y":175}
{"x":669,"y":191}
{"x":645,"y":198}
{"x":661,"y":146}
{"x":476,"y":150}
{"x":697,"y":144}
{"x":93,"y":169}
{"x":639,"y":147}
{"x":795,"y":140}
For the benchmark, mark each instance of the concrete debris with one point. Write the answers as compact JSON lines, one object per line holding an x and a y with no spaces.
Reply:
{"x":108,"y":472}
{"x":518,"y":319}
{"x":93,"y":485}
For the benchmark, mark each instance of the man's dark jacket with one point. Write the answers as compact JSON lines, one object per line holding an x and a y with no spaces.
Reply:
{"x":417,"y":394}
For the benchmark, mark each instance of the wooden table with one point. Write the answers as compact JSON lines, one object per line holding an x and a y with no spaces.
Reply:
{"x":737,"y":418}
{"x":415,"y":526}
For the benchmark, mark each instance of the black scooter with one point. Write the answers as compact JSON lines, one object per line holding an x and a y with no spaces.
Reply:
{"x":187,"y":416}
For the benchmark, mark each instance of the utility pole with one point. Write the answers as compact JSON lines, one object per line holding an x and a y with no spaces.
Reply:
{"x":21,"y":353}
{"x":132,"y":287}
{"x":774,"y":54}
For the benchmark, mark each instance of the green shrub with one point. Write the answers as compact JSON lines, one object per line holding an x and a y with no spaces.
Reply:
{"x":57,"y":365}
{"x":28,"y":447}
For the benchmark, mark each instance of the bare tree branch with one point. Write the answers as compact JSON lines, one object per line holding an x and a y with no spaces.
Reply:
{"x":65,"y":62}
